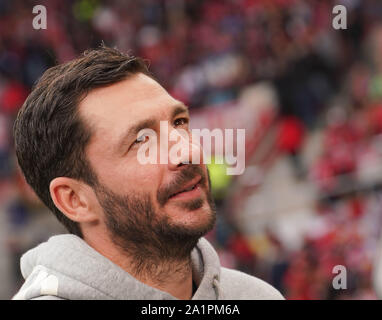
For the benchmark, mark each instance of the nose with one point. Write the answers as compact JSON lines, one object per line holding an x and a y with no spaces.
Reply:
{"x":183,"y":149}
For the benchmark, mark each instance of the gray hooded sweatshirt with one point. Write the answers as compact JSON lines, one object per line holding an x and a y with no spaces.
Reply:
{"x":66,"y":267}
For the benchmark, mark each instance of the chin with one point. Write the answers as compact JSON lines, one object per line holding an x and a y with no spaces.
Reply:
{"x":198,"y":219}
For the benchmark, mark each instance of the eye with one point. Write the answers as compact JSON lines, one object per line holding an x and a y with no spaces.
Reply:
{"x":141,"y":139}
{"x":181,"y":121}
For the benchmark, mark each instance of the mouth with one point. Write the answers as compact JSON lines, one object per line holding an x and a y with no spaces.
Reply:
{"x":188,"y":191}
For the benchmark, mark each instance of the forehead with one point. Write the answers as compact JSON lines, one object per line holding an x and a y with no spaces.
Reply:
{"x":110,"y":110}
{"x":133,"y":98}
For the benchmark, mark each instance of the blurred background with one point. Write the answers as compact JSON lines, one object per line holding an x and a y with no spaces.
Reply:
{"x":309,"y":97}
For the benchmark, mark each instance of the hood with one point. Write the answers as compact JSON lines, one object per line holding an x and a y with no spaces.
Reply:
{"x":68,"y":268}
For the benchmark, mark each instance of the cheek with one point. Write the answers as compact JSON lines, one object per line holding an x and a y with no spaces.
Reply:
{"x":206,"y":173}
{"x":141,"y":179}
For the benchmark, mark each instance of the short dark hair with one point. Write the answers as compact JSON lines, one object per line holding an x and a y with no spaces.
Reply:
{"x":50,"y":137}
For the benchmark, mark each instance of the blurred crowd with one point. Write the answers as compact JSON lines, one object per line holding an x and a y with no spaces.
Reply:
{"x":205,"y":53}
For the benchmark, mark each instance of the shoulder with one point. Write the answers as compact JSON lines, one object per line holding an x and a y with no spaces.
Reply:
{"x":237,"y":285}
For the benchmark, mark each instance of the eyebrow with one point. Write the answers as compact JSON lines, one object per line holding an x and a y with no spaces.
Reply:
{"x":179,"y":108}
{"x":145,"y":124}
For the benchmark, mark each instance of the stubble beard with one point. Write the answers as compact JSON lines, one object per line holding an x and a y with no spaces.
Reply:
{"x":148,"y":236}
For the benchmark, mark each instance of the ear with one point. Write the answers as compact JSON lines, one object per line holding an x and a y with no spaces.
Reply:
{"x":74,"y":199}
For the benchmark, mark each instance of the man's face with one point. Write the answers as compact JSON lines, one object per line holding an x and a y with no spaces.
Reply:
{"x":148,"y":193}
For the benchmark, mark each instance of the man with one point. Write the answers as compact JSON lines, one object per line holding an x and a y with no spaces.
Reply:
{"x":135,"y":229}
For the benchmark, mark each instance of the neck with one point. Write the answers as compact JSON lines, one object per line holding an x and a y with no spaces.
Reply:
{"x":173,"y":276}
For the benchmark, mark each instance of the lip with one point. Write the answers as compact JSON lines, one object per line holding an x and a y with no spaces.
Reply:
{"x":189,"y":194}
